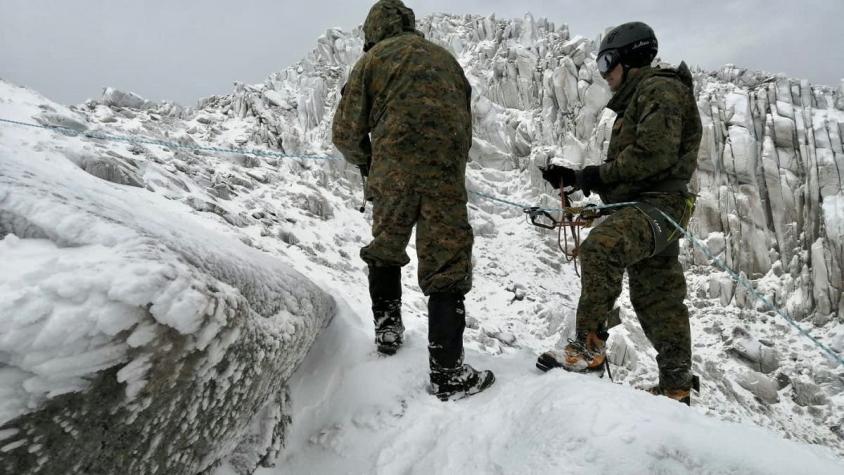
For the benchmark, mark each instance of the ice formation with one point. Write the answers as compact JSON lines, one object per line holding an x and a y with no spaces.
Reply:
{"x":135,"y":338}
{"x":156,"y":239}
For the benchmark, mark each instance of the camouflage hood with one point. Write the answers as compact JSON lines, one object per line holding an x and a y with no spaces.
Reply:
{"x":620,"y":99}
{"x":386,"y":19}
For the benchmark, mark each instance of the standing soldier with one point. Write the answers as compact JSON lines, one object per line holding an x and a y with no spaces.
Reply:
{"x":651,"y":157}
{"x":412,"y":98}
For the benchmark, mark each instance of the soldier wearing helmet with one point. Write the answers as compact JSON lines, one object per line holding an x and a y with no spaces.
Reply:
{"x":651,"y":157}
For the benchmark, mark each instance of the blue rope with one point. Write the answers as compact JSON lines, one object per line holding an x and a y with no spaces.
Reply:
{"x":550,"y":210}
{"x":498,"y":200}
{"x":747,"y":285}
{"x":163,"y":143}
{"x":268,"y":153}
{"x":733,"y":274}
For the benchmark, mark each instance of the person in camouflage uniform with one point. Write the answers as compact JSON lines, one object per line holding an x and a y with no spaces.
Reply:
{"x":405,"y":120}
{"x":651,"y":157}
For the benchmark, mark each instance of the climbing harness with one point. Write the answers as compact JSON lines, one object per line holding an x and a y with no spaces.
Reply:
{"x":537,"y":216}
{"x":666,"y":237}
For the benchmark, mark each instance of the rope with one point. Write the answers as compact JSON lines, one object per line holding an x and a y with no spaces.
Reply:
{"x":574,"y":225}
{"x":564,"y":209}
{"x":166,"y":144}
{"x":747,"y":285}
{"x":503,"y":201}
{"x":720,"y":264}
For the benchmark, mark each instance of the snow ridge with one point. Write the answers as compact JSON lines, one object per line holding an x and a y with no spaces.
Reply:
{"x":129,"y":321}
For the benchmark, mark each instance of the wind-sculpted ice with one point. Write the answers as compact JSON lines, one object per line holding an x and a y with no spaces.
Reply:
{"x":134,"y":337}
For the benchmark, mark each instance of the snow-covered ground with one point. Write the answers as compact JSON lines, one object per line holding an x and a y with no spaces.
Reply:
{"x":117,"y":304}
{"x":355,"y":412}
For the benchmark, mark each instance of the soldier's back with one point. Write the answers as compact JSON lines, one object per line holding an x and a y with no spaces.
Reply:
{"x":421,"y":100}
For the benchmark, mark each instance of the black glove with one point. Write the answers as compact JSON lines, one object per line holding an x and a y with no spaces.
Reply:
{"x":588,"y":179}
{"x":553,"y":173}
{"x":364,"y":169}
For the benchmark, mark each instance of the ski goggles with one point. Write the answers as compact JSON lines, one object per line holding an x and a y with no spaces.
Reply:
{"x":607,"y":61}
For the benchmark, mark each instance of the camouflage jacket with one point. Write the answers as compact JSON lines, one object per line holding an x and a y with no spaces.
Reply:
{"x":655,"y":137}
{"x":412,"y":99}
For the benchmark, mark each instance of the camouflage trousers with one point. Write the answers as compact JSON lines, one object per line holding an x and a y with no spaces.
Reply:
{"x":443,"y":237}
{"x":625,"y":241}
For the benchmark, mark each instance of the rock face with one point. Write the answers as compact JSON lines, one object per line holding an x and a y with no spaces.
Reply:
{"x":757,"y":355}
{"x":135,"y":338}
{"x":770,"y":182}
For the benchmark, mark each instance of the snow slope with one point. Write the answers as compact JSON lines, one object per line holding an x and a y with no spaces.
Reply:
{"x":355,"y":412}
{"x":126,"y":319}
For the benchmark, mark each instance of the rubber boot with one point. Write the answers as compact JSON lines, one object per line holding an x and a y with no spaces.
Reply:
{"x":450,"y":378}
{"x":385,"y":292}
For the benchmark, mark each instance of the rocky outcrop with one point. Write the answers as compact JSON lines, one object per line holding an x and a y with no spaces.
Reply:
{"x":135,"y":337}
{"x":770,"y":160}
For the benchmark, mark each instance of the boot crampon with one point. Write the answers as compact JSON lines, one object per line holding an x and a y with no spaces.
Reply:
{"x":457,"y":383}
{"x":585,"y":354}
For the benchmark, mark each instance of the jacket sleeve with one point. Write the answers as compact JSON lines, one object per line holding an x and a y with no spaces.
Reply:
{"x":350,"y":129}
{"x":659,"y":129}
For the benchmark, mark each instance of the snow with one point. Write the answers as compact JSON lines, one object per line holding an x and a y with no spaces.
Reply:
{"x":355,"y":412}
{"x":87,"y":253}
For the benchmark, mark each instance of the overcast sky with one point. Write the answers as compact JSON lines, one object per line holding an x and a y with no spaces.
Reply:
{"x":186,"y":49}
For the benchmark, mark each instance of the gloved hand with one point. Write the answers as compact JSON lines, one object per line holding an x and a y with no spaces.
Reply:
{"x":364,"y":169}
{"x":588,"y":179}
{"x":553,"y":173}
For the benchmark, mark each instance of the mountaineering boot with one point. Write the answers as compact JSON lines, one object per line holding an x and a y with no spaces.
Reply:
{"x":584,"y":354}
{"x":450,"y":378}
{"x":683,"y":395}
{"x":385,"y":292}
{"x":680,"y":395}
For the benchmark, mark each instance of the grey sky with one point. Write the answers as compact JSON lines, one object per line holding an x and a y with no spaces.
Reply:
{"x":186,"y":49}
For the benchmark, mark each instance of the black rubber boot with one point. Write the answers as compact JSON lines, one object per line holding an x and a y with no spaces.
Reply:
{"x":385,"y":292}
{"x":450,"y":378}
